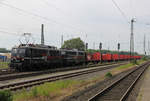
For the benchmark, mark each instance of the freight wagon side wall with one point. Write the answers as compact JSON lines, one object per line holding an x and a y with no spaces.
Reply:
{"x":96,"y":57}
{"x":107,"y":57}
{"x":115,"y":57}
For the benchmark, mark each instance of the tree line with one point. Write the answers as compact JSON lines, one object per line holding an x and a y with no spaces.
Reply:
{"x":4,"y":50}
{"x":77,"y":43}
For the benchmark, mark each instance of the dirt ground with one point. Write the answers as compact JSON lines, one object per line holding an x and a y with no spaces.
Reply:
{"x":144,"y":94}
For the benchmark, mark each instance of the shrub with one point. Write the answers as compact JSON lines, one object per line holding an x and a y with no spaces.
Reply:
{"x":144,"y":58}
{"x":6,"y":96}
{"x":134,"y":62}
{"x":108,"y":74}
{"x":35,"y":92}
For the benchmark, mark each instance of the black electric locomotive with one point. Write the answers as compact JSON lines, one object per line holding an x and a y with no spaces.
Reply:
{"x":35,"y":57}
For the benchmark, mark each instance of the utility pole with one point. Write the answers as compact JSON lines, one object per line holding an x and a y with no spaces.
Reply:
{"x":62,"y":40}
{"x":148,"y":48}
{"x":132,"y":37}
{"x":144,"y":44}
{"x":42,"y":34}
{"x":94,"y":45}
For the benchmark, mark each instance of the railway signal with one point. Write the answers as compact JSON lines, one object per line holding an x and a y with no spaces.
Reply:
{"x":86,"y":46}
{"x":100,"y":46}
{"x":118,"y":46}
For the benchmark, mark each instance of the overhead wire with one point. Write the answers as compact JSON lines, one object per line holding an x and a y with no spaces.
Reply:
{"x":48,"y":4}
{"x":15,"y":34}
{"x":122,"y":13}
{"x":131,"y":7}
{"x":39,"y":16}
{"x":55,"y":7}
{"x":9,"y":33}
{"x":59,"y":10}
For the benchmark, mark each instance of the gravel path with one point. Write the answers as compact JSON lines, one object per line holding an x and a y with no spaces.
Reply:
{"x":59,"y":73}
{"x":143,"y":91}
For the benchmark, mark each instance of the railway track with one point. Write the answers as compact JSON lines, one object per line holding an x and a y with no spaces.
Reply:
{"x":121,"y":88}
{"x":33,"y":82}
{"x":29,"y":74}
{"x":7,"y":71}
{"x":12,"y":71}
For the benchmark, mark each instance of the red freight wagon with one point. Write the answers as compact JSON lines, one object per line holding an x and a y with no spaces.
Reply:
{"x":106,"y":57}
{"x":125,"y":57}
{"x":121,"y":57}
{"x":132,"y":57}
{"x":128,"y":57}
{"x":115,"y":57}
{"x":109,"y":57}
{"x":140,"y":57}
{"x":96,"y":57}
{"x":135,"y":57}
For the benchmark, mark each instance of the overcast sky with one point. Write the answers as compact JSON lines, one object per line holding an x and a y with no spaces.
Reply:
{"x":100,"y":20}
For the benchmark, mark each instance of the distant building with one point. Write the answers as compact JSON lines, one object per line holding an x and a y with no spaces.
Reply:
{"x":5,"y":57}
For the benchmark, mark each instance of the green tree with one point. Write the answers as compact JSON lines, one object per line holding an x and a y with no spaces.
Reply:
{"x":4,"y":50}
{"x":75,"y":43}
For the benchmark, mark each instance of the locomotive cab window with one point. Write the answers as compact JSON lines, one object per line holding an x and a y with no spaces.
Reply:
{"x":71,"y":53}
{"x":81,"y":53}
{"x":18,"y":52}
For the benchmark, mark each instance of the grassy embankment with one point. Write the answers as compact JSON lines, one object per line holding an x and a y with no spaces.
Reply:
{"x":123,"y":68}
{"x":4,"y":65}
{"x":55,"y":91}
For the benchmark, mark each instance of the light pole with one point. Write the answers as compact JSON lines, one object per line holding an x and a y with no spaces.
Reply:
{"x":132,"y":37}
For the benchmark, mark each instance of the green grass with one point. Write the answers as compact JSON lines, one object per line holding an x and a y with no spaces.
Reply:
{"x":48,"y":91}
{"x":130,"y":64}
{"x":45,"y":90}
{"x":141,"y":61}
{"x":4,"y":65}
{"x":125,"y":66}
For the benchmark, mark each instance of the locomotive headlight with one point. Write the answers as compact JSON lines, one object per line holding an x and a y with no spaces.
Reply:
{"x":22,"y":59}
